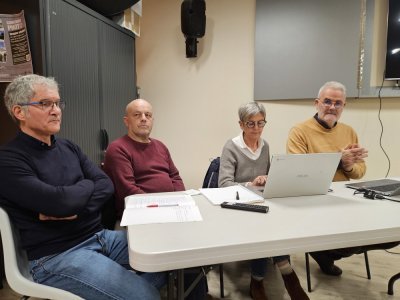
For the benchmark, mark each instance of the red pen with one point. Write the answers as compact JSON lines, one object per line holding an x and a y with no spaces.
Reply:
{"x":161,"y":205}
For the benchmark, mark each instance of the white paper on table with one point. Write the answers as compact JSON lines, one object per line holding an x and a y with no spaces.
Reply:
{"x":143,"y":200}
{"x":192,"y":192}
{"x":149,"y":215}
{"x":218,"y":195}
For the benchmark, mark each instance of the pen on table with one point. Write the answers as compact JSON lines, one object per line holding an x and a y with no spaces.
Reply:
{"x":162,"y":205}
{"x":237,"y":195}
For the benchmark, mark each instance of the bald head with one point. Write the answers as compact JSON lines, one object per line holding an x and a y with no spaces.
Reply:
{"x":137,"y":103}
{"x":139,"y":120}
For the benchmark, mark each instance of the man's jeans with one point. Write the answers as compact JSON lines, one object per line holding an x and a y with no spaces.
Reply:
{"x":98,"y":268}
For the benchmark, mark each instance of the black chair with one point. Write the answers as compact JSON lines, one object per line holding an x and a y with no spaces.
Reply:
{"x":308,"y":270}
{"x":391,"y":283}
{"x":109,"y":214}
{"x":211,"y":181}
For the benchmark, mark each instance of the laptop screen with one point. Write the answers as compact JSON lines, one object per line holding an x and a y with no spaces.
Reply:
{"x":301,"y":174}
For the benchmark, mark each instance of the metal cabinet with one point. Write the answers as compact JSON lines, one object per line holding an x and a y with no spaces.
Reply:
{"x":93,"y":60}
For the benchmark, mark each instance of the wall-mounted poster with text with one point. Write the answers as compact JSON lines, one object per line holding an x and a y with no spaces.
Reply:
{"x":15,"y":55}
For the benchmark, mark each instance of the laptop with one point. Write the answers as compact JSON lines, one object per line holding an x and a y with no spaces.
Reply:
{"x":386,"y":187}
{"x":293,"y":175}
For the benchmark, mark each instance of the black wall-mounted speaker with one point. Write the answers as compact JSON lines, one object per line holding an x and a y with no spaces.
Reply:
{"x":109,"y":8}
{"x":193,"y":18}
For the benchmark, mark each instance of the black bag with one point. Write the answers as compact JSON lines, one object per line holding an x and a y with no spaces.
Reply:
{"x":109,"y":214}
{"x":211,"y":178}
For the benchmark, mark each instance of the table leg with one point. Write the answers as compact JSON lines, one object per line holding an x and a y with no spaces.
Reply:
{"x":171,"y":285}
{"x":180,"y":284}
{"x":308,"y":272}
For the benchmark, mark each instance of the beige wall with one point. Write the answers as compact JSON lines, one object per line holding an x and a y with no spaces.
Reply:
{"x":196,"y":100}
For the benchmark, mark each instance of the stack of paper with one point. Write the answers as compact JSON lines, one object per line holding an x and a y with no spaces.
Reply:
{"x":147,"y":209}
{"x":235,"y":193}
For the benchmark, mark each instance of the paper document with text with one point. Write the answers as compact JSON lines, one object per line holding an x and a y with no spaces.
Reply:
{"x":148,"y":209}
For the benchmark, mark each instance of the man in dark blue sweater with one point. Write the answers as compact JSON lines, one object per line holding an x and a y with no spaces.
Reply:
{"x":54,"y":195}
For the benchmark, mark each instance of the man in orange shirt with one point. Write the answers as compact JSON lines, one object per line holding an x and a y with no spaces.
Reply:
{"x":324,"y":133}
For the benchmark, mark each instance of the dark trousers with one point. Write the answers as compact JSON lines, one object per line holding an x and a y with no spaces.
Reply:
{"x":200,"y":290}
{"x":336,"y":254}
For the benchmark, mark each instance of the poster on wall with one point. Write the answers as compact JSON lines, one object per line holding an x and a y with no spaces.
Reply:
{"x":15,"y":54}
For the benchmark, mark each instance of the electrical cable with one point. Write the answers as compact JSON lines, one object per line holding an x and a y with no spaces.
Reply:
{"x":381,"y":123}
{"x":370,"y":194}
{"x":391,"y":252}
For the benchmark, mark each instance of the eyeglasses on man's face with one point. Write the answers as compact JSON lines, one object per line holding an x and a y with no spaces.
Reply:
{"x":328,"y":103}
{"x":251,"y":124}
{"x":45,"y":105}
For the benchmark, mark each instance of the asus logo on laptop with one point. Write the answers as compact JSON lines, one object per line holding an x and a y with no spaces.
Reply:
{"x":302,"y":175}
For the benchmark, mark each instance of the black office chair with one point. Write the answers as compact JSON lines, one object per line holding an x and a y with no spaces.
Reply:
{"x":391,"y":283}
{"x":308,"y":270}
{"x":211,"y":181}
{"x":109,"y":214}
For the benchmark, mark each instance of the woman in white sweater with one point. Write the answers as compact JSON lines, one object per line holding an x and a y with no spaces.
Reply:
{"x":245,"y":160}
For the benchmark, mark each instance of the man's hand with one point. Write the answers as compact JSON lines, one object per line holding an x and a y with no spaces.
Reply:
{"x":351,"y":155}
{"x":259,"y":180}
{"x":43,"y":217}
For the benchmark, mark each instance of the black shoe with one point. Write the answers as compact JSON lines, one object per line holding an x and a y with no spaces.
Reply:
{"x":326,"y":264}
{"x":332,"y":270}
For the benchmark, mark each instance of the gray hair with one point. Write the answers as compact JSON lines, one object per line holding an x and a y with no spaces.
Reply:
{"x":22,"y":89}
{"x":246,"y":111}
{"x":334,"y":85}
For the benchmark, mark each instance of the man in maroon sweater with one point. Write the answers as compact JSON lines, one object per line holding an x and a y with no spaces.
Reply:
{"x":139,"y":164}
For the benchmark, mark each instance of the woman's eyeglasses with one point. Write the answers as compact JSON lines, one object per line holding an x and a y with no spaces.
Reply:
{"x":251,"y":124}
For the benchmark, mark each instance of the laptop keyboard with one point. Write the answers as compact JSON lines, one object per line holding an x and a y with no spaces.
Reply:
{"x":386,"y":188}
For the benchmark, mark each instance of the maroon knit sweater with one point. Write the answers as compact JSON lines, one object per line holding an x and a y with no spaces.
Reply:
{"x":137,"y":168}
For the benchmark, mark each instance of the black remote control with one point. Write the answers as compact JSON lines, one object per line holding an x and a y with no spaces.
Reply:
{"x":245,"y":206}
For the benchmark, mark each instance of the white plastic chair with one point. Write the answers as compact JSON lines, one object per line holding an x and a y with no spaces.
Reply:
{"x":17,"y":268}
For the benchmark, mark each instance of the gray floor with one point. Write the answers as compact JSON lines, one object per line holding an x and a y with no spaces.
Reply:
{"x":353,"y":284}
